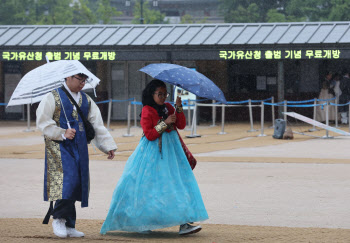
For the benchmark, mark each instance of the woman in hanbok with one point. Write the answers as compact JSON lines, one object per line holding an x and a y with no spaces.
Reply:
{"x":158,"y":188}
{"x":326,"y":93}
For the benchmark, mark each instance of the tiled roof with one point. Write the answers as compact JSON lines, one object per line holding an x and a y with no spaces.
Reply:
{"x":175,"y":35}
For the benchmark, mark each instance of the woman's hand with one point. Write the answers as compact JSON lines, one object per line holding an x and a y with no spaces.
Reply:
{"x":171,"y":119}
{"x":178,"y":101}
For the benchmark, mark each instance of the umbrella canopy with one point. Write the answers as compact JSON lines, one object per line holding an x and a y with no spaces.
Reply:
{"x":41,"y":80}
{"x":185,"y":78}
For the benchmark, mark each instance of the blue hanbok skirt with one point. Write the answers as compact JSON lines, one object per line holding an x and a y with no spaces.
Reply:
{"x":157,"y":189}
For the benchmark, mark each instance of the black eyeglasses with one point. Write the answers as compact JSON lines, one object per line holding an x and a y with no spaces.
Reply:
{"x":82,"y":80}
{"x":161,"y":95}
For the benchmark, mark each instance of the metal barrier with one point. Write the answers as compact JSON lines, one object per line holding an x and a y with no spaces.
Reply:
{"x":336,"y":105}
{"x":129,"y":118}
{"x":214,"y":105}
{"x":188,"y":115}
{"x":110,"y":113}
{"x":194,"y":124}
{"x":222,"y":120}
{"x":135,"y":115}
{"x":213,"y":112}
{"x":262,"y":120}
{"x":251,"y":116}
{"x":273,"y":112}
{"x":28,"y":120}
{"x":285,"y":104}
{"x":313,"y":129}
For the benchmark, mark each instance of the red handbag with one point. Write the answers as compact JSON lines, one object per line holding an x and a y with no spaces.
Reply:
{"x":191,"y":160}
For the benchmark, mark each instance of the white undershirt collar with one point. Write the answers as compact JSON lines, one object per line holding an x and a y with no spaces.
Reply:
{"x":75,"y":95}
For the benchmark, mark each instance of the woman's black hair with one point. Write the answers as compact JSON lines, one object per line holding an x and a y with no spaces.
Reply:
{"x":147,"y":96}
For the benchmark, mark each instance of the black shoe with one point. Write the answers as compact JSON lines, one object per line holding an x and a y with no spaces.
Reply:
{"x":186,"y":229}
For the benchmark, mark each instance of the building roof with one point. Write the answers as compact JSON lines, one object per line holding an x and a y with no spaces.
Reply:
{"x":175,"y":35}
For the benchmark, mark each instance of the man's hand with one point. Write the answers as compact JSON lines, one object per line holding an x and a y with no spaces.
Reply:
{"x":70,"y":133}
{"x":110,"y":154}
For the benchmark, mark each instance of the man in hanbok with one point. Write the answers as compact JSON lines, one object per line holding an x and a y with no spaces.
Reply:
{"x":66,"y":151}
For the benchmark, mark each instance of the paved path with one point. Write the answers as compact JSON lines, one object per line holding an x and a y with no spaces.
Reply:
{"x":294,"y":195}
{"x":334,"y":148}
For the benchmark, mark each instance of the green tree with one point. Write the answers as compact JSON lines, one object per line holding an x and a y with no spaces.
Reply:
{"x":247,"y":11}
{"x":150,"y":16}
{"x":15,"y":12}
{"x":340,"y":10}
{"x":273,"y":15}
{"x":56,"y":12}
{"x":82,"y":14}
{"x":188,"y":19}
{"x":311,"y":10}
{"x":105,"y":12}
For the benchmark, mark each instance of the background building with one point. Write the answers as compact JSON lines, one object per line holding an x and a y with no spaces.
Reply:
{"x":199,"y":10}
{"x":247,"y":61}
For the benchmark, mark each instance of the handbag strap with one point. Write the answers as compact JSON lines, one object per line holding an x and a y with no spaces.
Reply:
{"x":76,"y":105}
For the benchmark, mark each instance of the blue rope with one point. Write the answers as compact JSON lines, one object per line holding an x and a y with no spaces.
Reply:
{"x":102,"y":102}
{"x":279,"y":104}
{"x":3,"y":103}
{"x":136,"y":103}
{"x":259,"y":101}
{"x":339,"y":104}
{"x":237,"y":102}
{"x":123,"y":100}
{"x":300,"y":102}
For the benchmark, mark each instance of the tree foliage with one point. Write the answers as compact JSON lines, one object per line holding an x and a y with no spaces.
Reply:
{"x":188,"y":19}
{"x":150,"y":16}
{"x":56,"y":12}
{"x":235,"y":11}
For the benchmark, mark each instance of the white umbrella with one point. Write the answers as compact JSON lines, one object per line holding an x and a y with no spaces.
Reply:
{"x":41,"y":80}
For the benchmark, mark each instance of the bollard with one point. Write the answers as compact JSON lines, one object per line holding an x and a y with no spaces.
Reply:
{"x":336,"y":113}
{"x":349,"y":117}
{"x":273,"y":112}
{"x":129,"y":119}
{"x":135,"y":117}
{"x":313,"y":129}
{"x":194,"y":124}
{"x":222,"y":120}
{"x":262,"y":120}
{"x":28,"y":120}
{"x":251,"y":117}
{"x":109,"y":115}
{"x":285,"y":110}
{"x":213,"y":113}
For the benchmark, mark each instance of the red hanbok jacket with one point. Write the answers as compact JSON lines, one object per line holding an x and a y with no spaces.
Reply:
{"x":150,"y":119}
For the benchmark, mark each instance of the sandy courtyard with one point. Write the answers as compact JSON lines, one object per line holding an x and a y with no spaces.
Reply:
{"x":256,"y":189}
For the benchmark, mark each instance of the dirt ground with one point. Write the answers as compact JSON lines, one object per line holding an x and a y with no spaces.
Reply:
{"x":15,"y":143}
{"x":32,"y":146}
{"x":31,"y":230}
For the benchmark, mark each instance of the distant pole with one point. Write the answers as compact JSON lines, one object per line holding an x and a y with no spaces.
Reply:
{"x":280,"y":86}
{"x":141,"y":19}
